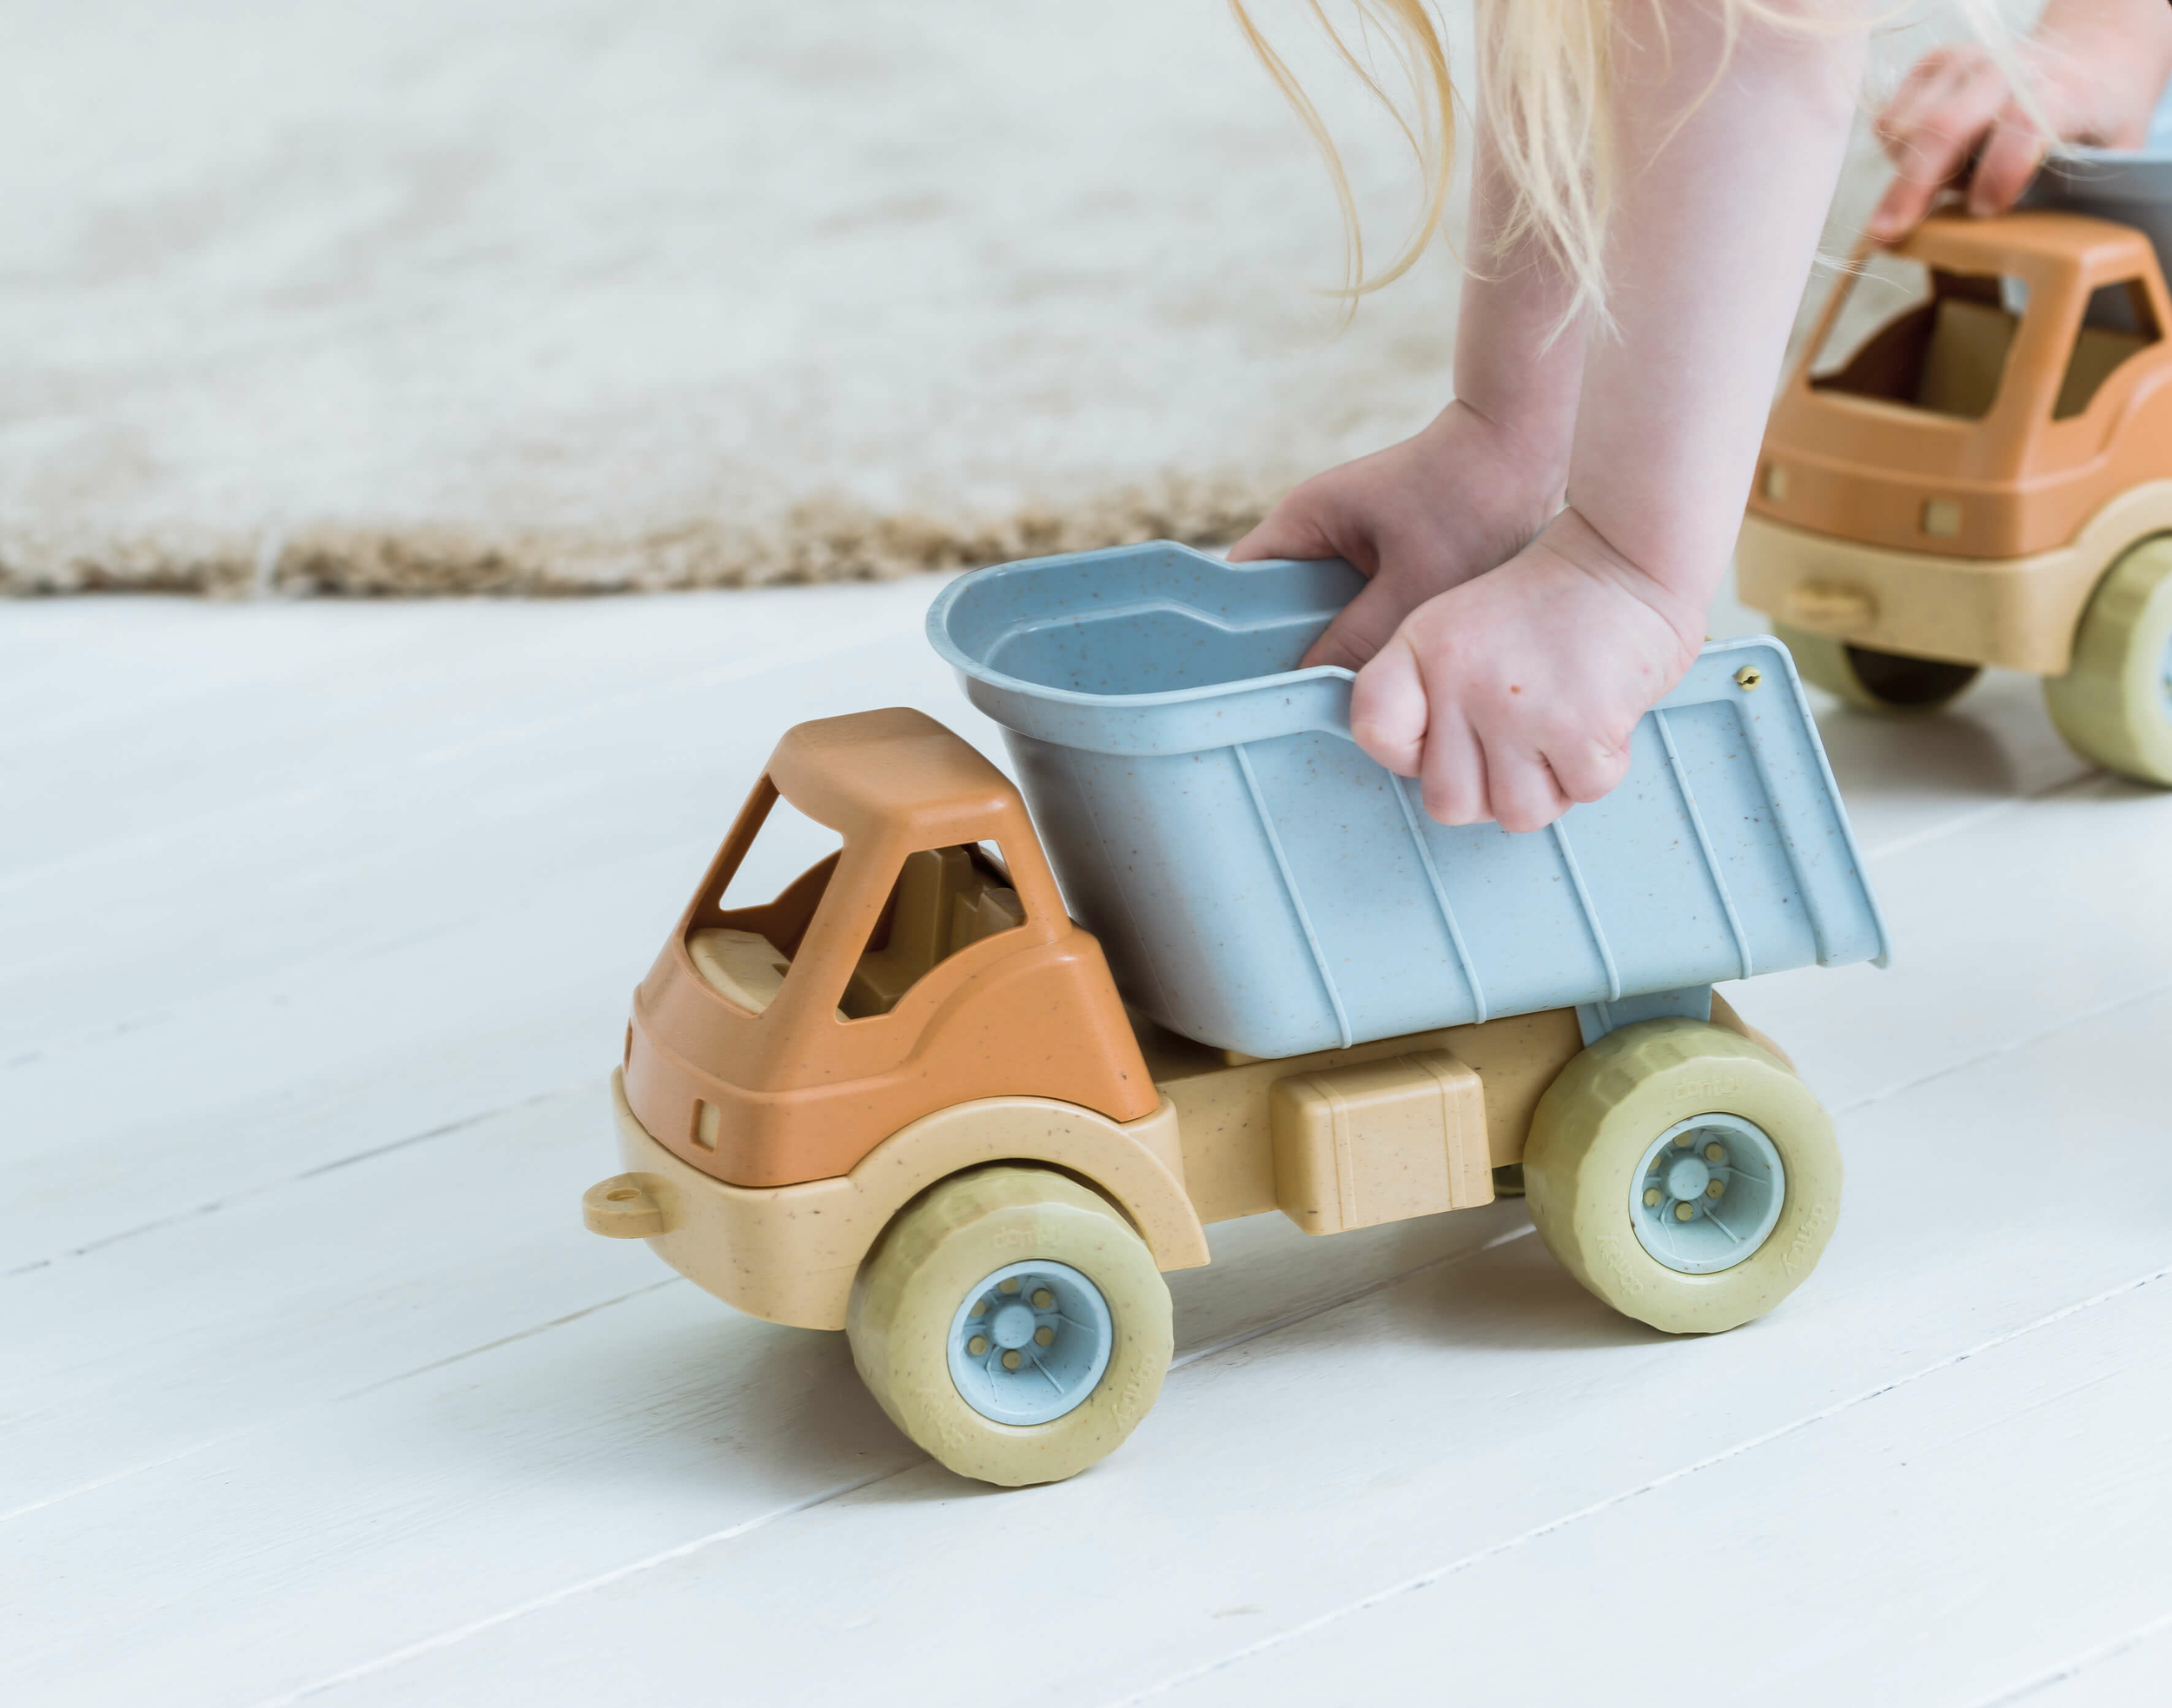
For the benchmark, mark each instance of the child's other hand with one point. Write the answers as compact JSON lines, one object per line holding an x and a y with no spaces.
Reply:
{"x":1956,"y":106}
{"x":1513,"y":695}
{"x":1417,"y":519}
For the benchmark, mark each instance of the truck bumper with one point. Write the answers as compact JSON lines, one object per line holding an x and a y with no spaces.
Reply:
{"x":789,"y":1253}
{"x":2018,"y":613}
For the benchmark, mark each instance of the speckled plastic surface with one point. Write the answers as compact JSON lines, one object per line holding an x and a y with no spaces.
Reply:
{"x":1259,"y":883}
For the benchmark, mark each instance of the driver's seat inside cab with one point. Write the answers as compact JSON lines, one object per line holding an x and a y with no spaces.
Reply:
{"x":945,"y":899}
{"x":1946,"y":356}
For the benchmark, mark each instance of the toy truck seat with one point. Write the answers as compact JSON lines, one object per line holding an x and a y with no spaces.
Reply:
{"x":1259,"y":884}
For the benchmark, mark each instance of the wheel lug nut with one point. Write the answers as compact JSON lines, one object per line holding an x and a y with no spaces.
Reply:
{"x":1011,"y":1361}
{"x":1683,"y":1212}
{"x":1651,"y":1197}
{"x":1009,"y":1285}
{"x":1043,"y":1299}
{"x":1684,"y":1140}
{"x":1044,"y":1336}
{"x":1714,"y":1189}
{"x":1715,"y":1152}
{"x":977,"y":1345}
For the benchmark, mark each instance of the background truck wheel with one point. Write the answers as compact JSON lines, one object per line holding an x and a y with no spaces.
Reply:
{"x":1890,"y":683}
{"x":1886,"y":683}
{"x":1012,"y":1324}
{"x":1627,"y":1148}
{"x":2115,"y":703}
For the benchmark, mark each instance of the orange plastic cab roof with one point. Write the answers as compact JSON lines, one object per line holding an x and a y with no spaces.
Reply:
{"x":2098,"y":248}
{"x":892,"y":770}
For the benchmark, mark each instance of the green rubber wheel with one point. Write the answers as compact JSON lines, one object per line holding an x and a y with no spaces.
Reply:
{"x":1892,"y":685}
{"x":1012,"y":1324}
{"x":2114,"y":704}
{"x":1682,"y":1175}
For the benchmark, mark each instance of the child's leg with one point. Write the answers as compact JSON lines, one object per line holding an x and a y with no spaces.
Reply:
{"x":1515,"y":694}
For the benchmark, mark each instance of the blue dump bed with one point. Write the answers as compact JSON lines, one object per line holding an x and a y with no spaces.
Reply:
{"x":1259,"y":883}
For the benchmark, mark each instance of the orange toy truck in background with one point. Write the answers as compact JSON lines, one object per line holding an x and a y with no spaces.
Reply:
{"x":1972,"y":465}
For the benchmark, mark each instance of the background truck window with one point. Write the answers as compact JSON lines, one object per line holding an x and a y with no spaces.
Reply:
{"x":2119,"y":325}
{"x":1930,"y":341}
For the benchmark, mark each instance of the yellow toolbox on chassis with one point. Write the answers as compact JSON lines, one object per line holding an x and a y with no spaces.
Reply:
{"x":908,"y":1099}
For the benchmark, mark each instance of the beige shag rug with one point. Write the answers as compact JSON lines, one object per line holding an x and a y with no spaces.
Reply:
{"x":430,"y":296}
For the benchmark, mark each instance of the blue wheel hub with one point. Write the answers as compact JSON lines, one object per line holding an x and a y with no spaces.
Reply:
{"x":1030,"y":1342}
{"x":1708,"y":1193}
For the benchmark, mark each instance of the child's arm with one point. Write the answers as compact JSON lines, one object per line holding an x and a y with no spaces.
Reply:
{"x":1515,"y":694}
{"x":1473,"y":487}
{"x":2096,"y":67}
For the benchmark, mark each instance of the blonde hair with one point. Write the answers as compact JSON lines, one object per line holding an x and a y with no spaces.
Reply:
{"x":1546,"y":72}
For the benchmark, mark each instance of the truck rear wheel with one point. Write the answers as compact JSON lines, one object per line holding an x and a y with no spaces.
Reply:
{"x":2114,"y":704}
{"x":1892,"y":683}
{"x":1012,"y":1324}
{"x":1682,"y":1175}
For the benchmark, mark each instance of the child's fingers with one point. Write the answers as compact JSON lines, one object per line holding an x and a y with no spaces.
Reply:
{"x":2009,"y":162}
{"x":1586,"y":770}
{"x":1360,"y":630}
{"x":1899,"y":211}
{"x":1929,"y":141}
{"x":1305,"y":524}
{"x":1956,"y":85}
{"x":1290,"y":530}
{"x":1455,"y":777}
{"x":1388,"y":709}
{"x":1522,"y":791}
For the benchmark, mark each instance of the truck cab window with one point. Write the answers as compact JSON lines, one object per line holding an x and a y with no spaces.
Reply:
{"x":744,"y":965}
{"x":1930,"y":341}
{"x":2119,"y":325}
{"x":944,"y":900}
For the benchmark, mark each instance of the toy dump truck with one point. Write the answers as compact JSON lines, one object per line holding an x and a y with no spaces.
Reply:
{"x":912,"y":1098}
{"x":1972,"y":465}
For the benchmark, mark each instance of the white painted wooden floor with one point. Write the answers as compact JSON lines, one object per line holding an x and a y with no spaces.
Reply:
{"x":319,"y":925}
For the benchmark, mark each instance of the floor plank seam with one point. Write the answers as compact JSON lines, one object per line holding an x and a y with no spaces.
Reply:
{"x":1214,"y":1348}
{"x":211,"y":1207}
{"x":445,"y":1639}
{"x":206,"y":1446}
{"x":875,"y":632}
{"x":1988,"y":813}
{"x":1436,"y":1574}
{"x":2080,"y":1663}
{"x":2134,"y":998}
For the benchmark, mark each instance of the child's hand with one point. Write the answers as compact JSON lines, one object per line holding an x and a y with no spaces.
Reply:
{"x":1513,"y":695}
{"x":2092,"y":86}
{"x":1418,"y":518}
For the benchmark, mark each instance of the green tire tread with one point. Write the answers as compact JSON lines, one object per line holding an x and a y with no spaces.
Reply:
{"x":2114,"y":706}
{"x":1592,"y":1128}
{"x":943,"y":1244}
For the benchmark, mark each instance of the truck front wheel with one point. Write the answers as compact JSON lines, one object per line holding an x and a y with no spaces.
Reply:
{"x":2115,"y":703}
{"x":1682,"y":1175}
{"x":1012,"y":1324}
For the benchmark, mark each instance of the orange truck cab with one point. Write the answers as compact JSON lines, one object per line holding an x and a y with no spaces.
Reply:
{"x":1972,"y":465}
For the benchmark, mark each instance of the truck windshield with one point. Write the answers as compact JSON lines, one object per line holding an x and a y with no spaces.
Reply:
{"x":1930,"y":341}
{"x":1939,"y":342}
